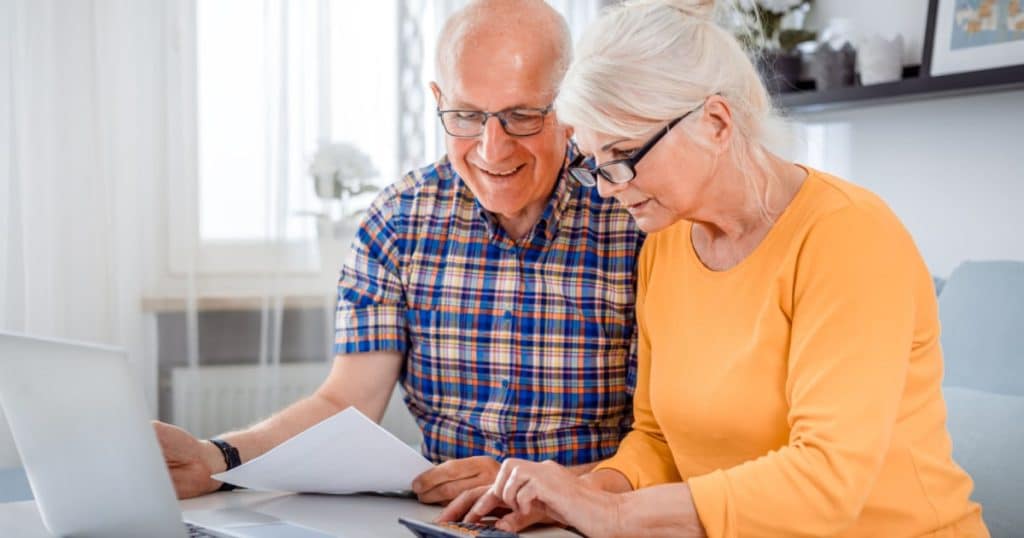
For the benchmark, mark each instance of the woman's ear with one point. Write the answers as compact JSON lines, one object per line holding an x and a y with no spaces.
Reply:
{"x":718,"y":115}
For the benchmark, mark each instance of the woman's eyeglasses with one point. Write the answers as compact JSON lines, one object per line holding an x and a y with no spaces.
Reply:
{"x":620,"y":170}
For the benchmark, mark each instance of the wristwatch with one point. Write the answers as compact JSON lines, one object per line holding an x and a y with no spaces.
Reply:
{"x":231,"y":459}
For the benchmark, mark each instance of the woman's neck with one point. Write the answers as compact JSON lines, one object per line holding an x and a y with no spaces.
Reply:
{"x":742,"y":210}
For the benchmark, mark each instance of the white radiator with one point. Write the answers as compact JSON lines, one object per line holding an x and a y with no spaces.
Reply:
{"x":215,"y":399}
{"x":210,"y":400}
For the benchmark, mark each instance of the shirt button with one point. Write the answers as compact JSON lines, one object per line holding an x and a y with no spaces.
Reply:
{"x":504,"y":383}
{"x":508,"y":316}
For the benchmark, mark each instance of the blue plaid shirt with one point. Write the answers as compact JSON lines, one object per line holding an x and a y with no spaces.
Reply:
{"x":514,"y":348}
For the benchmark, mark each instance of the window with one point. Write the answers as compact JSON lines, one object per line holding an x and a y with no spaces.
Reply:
{"x":273,"y":81}
{"x":259,"y":86}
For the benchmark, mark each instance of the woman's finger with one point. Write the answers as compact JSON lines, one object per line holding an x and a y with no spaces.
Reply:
{"x":458,"y":507}
{"x":517,"y":521}
{"x":506,"y":469}
{"x":486,"y":504}
{"x":516,"y":480}
{"x":528,"y":499}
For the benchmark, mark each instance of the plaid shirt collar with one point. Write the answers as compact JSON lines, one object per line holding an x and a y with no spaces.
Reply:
{"x":546,"y":229}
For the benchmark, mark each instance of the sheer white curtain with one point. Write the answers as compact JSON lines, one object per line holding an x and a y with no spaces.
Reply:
{"x":81,"y":164}
{"x":104,"y":217}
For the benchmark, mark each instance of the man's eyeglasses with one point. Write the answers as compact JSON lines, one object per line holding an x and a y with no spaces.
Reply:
{"x":515,"y":121}
{"x":620,"y":170}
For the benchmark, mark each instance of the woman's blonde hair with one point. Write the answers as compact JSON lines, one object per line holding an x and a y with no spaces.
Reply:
{"x":646,"y":62}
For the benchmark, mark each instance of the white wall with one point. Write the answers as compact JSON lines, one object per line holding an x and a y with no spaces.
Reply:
{"x":885,"y":17}
{"x":951,"y":168}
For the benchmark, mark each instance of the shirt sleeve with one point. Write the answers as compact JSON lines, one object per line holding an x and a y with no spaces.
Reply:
{"x":643,"y":457}
{"x":371,"y":307}
{"x":851,"y":338}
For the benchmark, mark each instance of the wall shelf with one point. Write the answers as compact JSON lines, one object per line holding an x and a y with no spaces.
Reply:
{"x":912,"y":88}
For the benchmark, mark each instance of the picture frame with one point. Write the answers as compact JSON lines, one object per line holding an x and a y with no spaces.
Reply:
{"x":973,"y":35}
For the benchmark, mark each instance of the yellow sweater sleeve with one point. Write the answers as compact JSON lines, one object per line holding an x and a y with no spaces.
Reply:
{"x":644,"y":457}
{"x":851,"y":333}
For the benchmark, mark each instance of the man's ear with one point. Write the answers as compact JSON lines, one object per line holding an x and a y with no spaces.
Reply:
{"x":437,"y":93}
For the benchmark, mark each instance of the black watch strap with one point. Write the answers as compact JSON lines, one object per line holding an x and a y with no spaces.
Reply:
{"x":231,"y":459}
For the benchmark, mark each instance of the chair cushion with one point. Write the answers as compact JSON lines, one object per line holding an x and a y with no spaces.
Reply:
{"x":988,"y":443}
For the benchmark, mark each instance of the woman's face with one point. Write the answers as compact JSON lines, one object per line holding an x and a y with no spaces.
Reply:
{"x":671,"y":179}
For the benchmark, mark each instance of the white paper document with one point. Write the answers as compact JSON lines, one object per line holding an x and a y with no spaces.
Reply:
{"x":347,"y":453}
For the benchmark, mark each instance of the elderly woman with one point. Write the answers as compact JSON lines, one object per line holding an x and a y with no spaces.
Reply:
{"x":789,"y":360}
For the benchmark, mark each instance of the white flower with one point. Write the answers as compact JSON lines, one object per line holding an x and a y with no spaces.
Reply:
{"x":340,"y":167}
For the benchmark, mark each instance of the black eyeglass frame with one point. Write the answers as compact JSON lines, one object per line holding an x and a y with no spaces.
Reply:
{"x":499,"y":115}
{"x":588,"y":176}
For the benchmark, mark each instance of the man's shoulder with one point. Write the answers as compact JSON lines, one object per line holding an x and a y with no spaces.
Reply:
{"x":420,"y":187}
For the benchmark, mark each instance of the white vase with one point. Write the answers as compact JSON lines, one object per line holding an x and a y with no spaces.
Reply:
{"x":880,"y":60}
{"x":325,"y":186}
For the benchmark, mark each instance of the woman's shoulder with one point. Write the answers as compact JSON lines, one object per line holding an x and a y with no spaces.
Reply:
{"x":833,"y":200}
{"x":839,"y":214}
{"x":832,"y":194}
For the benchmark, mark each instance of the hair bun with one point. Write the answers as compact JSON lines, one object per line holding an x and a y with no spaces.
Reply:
{"x":701,"y":9}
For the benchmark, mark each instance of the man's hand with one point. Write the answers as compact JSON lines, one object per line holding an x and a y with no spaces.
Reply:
{"x":190,"y":461}
{"x":449,"y":479}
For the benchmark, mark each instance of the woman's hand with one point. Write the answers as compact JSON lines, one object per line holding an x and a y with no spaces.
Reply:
{"x":536,"y":492}
{"x":509,"y":521}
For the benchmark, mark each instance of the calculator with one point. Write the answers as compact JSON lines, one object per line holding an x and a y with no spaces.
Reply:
{"x":454,"y":529}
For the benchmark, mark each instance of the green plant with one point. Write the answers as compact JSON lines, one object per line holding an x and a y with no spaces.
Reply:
{"x":773,"y":25}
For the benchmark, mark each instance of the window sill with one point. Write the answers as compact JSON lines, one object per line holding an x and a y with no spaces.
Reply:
{"x":158,"y":305}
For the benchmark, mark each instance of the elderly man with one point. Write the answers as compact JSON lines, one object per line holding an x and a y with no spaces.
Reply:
{"x":495,"y":289}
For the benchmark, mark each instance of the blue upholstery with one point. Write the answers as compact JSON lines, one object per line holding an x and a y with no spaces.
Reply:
{"x":982,"y":314}
{"x":981,"y":308}
{"x":987,"y":442}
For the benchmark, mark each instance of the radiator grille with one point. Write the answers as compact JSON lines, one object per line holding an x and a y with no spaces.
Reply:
{"x":211,"y":400}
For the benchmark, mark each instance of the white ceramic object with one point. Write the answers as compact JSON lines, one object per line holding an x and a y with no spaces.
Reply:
{"x":838,"y":32}
{"x":880,"y":60}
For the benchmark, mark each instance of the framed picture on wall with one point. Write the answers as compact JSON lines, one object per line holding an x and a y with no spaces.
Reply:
{"x":973,"y":35}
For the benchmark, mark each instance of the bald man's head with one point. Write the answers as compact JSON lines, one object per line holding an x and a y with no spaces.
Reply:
{"x":530,"y":25}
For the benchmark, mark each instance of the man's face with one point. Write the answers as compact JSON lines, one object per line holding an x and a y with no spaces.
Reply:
{"x":512,"y":176}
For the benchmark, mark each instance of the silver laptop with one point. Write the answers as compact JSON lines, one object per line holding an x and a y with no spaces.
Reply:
{"x":81,"y":427}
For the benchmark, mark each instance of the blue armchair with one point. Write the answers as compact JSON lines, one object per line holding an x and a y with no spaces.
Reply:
{"x":981,"y":308}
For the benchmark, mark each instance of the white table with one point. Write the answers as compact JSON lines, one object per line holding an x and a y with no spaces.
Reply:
{"x":348,"y":515}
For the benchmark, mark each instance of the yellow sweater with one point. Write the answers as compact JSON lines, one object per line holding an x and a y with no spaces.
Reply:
{"x":798,"y":393}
